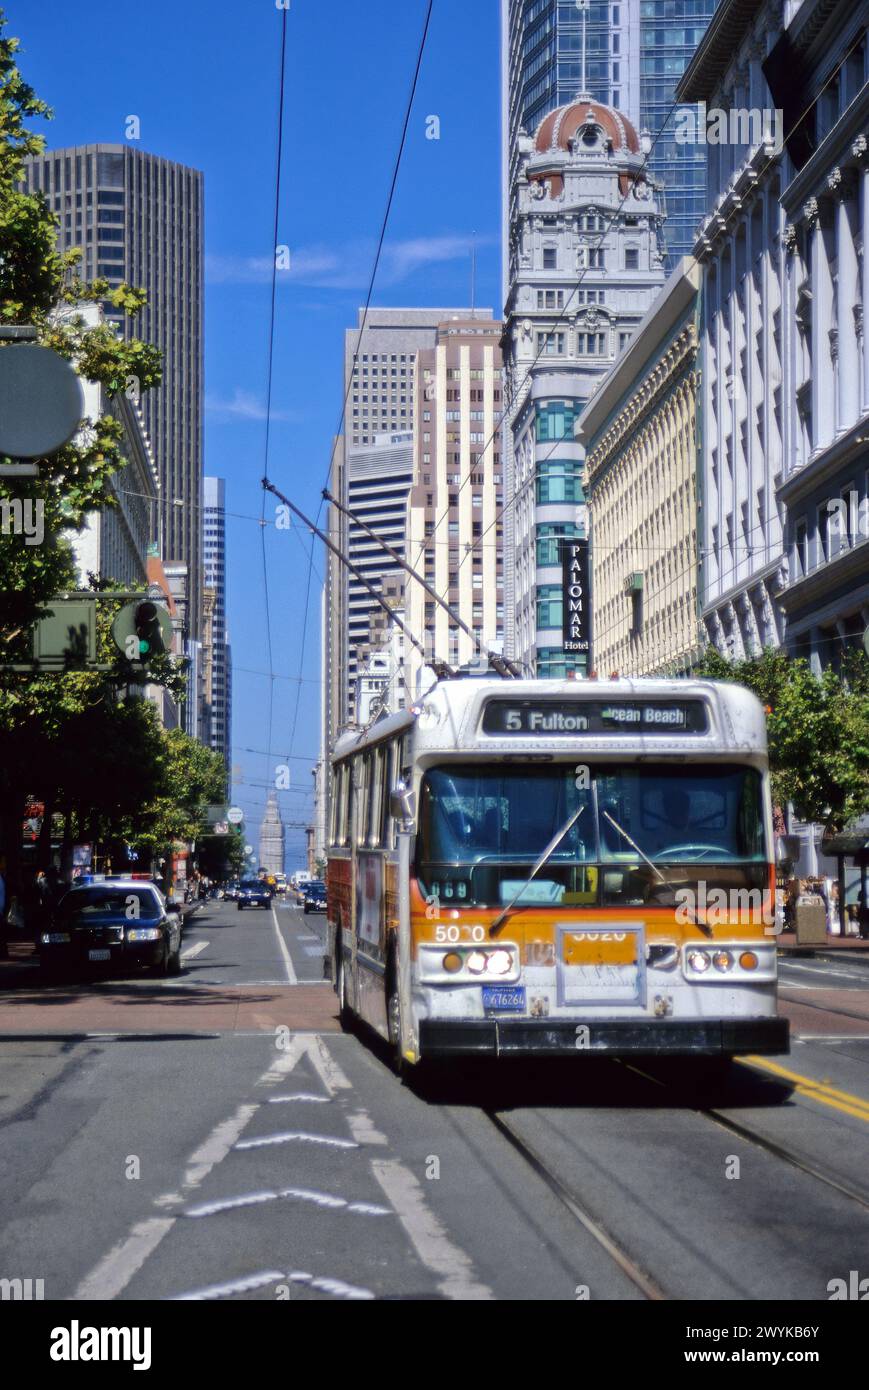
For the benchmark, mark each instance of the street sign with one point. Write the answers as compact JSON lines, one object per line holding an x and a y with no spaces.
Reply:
{"x":235,"y":815}
{"x":67,"y":636}
{"x":41,"y":402}
{"x":248,"y":849}
{"x":142,"y":629}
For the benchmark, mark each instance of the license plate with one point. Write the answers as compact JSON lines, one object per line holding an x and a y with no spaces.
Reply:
{"x":99,"y":955}
{"x":504,"y":998}
{"x":601,"y":965}
{"x":599,"y":948}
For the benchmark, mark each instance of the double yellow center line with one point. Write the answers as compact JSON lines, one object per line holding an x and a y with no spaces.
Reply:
{"x":820,"y":1091}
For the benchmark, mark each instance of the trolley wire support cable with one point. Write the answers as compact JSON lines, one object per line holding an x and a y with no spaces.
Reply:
{"x":378,"y":254}
{"x":441,"y":668}
{"x":271,"y":356}
{"x":500,"y":664}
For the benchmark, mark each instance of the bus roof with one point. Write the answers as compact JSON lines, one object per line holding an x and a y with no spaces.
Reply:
{"x":450,"y":717}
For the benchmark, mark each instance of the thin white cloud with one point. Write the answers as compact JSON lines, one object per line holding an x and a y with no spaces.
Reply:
{"x":243,"y":405}
{"x":347,"y":267}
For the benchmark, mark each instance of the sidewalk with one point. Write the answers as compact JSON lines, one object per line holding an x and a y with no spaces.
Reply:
{"x":851,"y":947}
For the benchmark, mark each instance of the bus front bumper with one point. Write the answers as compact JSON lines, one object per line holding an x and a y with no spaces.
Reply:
{"x":544,"y":1037}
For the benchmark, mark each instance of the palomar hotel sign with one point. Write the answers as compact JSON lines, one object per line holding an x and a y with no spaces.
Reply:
{"x":576,"y":629}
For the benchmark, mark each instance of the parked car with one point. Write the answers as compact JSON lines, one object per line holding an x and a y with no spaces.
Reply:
{"x":230,"y":892}
{"x":118,"y":924}
{"x":253,"y":893}
{"x":315,"y":896}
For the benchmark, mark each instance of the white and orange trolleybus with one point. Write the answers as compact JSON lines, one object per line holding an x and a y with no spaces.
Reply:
{"x":521,"y":867}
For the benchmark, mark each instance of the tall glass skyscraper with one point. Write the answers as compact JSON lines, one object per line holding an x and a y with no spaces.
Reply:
{"x":669,"y":32}
{"x":636,"y":51}
{"x":139,"y":217}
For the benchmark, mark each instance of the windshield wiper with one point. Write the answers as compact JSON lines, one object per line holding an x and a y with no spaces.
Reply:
{"x":633,"y":844}
{"x":704,"y":927}
{"x":550,"y":849}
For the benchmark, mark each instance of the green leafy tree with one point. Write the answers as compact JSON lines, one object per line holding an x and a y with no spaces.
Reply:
{"x":42,"y":715}
{"x":818,"y":729}
{"x":192,"y":778}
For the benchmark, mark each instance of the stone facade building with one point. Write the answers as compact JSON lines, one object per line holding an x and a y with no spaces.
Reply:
{"x":639,"y":431}
{"x":586,"y":262}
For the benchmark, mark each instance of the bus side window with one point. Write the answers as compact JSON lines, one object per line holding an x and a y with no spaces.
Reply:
{"x":386,"y":784}
{"x":362,"y":771}
{"x":375,"y":776}
{"x":346,"y":799}
{"x":333,"y":807}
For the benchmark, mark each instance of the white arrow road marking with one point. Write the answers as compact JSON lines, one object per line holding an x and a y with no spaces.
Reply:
{"x":337,"y":1287}
{"x":115,"y":1270}
{"x":298,"y":1137}
{"x":300,"y":1096}
{"x":288,"y":963}
{"x":293,"y":1194}
{"x":429,"y":1239}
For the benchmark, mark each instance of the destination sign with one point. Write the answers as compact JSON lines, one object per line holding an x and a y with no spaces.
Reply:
{"x":544,"y":717}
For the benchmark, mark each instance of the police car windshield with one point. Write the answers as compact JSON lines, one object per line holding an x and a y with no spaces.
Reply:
{"x":114,"y":901}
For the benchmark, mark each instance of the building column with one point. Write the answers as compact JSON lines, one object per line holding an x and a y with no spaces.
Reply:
{"x":848,"y":294}
{"x":823,"y":400}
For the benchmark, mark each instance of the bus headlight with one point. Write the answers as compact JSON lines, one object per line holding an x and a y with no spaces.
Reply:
{"x":499,"y":963}
{"x":737,"y":962}
{"x":462,"y":964}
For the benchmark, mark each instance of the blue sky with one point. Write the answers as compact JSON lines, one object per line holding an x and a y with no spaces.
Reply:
{"x":202,"y":78}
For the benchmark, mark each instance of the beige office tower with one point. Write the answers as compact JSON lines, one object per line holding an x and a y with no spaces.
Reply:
{"x":455,"y":536}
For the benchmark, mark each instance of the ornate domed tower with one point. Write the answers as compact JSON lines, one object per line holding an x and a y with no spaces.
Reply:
{"x":586,"y":261}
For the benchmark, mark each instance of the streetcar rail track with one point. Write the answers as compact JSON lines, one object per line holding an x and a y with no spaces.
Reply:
{"x":770,"y":1146}
{"x":635,"y":1272}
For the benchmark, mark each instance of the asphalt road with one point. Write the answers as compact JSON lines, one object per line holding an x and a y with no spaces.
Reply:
{"x":217,"y":1136}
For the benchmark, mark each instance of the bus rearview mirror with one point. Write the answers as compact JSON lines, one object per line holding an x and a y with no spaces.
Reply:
{"x":402,"y":803}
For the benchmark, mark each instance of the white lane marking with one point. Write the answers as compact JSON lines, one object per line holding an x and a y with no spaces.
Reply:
{"x":337,"y":1287}
{"x":829,"y":970}
{"x":300,"y":937}
{"x":832,"y":1037}
{"x":288,"y":963}
{"x":325,"y":1065}
{"x":300,"y":1096}
{"x":313,"y":950}
{"x":217,"y":1146}
{"x":362,"y":1129}
{"x":115,"y":1270}
{"x":293,"y":1194}
{"x":195,"y":950}
{"x":286,"y":1059}
{"x":113,"y":1273}
{"x":428,"y":1237}
{"x":297,"y":1137}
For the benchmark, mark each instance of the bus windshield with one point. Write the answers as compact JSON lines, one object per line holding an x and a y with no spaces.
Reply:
{"x":645,"y":831}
